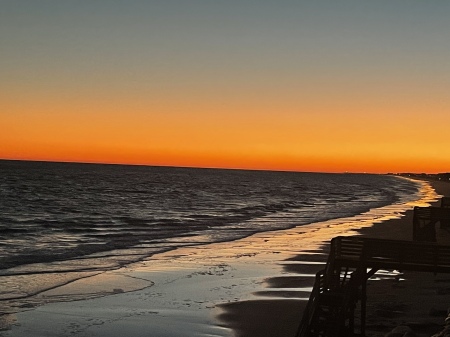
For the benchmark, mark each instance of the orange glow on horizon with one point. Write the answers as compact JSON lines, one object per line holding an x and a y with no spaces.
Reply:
{"x":341,"y":134}
{"x":247,"y":141}
{"x":276,"y":162}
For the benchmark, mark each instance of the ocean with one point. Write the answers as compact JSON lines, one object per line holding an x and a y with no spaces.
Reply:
{"x":64,"y":221}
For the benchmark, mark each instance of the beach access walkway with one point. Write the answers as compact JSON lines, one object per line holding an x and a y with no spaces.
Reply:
{"x":342,"y":284}
{"x":425,"y":220}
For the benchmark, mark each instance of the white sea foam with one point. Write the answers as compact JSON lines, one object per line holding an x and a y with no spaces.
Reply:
{"x":65,"y":222}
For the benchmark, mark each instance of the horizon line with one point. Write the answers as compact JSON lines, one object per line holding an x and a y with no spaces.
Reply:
{"x":210,"y":167}
{"x":187,"y":167}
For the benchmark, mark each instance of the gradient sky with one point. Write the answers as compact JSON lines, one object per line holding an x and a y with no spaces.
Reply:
{"x":359,"y":86}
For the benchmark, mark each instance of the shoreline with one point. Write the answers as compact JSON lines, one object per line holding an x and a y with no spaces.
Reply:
{"x":419,"y":301}
{"x":190,"y":287}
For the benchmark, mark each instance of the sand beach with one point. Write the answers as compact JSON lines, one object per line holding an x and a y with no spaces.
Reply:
{"x":419,"y":300}
{"x":256,"y":286}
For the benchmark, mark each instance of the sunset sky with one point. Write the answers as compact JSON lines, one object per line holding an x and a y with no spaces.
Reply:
{"x":331,"y":86}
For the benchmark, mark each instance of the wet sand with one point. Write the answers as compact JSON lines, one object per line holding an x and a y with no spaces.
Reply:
{"x":257,"y":286}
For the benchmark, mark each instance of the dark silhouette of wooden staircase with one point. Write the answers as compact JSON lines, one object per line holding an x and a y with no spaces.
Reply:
{"x":342,"y":284}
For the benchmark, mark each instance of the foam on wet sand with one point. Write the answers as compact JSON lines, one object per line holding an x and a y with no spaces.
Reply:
{"x":255,"y":286}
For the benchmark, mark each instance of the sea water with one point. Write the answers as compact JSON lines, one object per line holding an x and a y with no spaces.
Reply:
{"x":63,"y":221}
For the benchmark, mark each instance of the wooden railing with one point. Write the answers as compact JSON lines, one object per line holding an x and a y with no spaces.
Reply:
{"x":390,"y":254}
{"x":311,"y":306}
{"x":352,"y":260}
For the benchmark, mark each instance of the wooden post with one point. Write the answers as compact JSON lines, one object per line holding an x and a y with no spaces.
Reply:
{"x":363,"y":300}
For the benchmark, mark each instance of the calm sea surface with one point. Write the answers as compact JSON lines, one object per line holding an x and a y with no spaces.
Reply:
{"x":71,"y":219}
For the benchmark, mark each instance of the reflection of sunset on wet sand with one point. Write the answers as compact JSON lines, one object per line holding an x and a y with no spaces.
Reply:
{"x":254,"y":286}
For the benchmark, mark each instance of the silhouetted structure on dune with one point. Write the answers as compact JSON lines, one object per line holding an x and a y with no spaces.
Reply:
{"x":353,"y":260}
